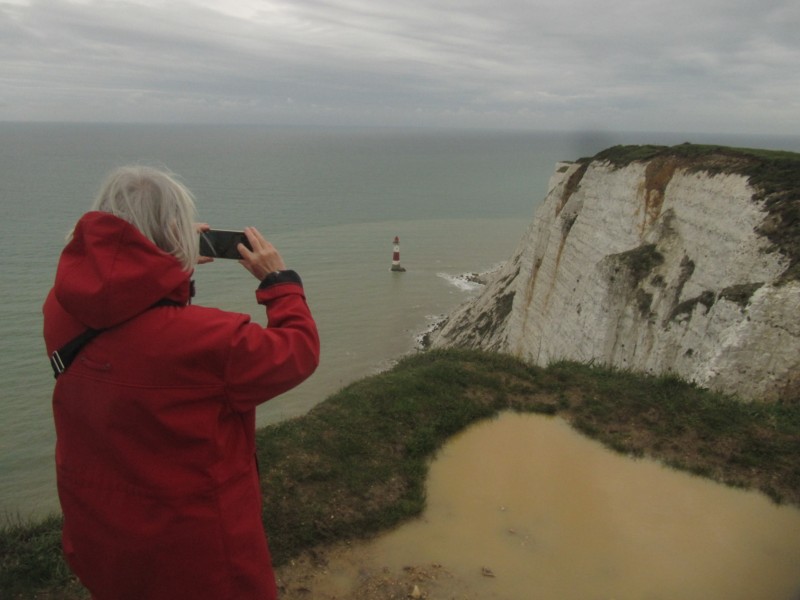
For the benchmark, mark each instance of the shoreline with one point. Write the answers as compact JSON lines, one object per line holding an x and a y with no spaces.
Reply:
{"x":469,"y":281}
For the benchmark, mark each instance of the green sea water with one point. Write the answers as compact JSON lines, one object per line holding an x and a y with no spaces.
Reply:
{"x":332,"y":201}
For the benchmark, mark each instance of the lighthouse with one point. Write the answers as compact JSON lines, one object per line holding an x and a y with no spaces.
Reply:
{"x":396,"y":256}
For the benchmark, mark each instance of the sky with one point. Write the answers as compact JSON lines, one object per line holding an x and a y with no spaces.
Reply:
{"x":727,"y":66}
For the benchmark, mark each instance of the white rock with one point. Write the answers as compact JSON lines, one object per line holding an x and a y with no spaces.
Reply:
{"x":580,"y":285}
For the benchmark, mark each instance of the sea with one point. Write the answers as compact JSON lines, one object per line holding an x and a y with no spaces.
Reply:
{"x":332,"y":201}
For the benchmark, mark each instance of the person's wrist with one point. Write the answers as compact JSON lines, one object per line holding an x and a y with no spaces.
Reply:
{"x":280,"y":276}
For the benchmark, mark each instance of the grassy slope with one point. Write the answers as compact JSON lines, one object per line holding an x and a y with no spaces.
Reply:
{"x":356,"y":464}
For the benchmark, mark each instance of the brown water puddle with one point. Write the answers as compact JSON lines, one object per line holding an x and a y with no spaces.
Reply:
{"x":524,"y":507}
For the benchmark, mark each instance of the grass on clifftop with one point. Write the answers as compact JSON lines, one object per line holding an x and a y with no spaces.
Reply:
{"x":357,"y":463}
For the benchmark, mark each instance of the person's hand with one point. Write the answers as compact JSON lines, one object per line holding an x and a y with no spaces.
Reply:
{"x":201,"y":227}
{"x":263,"y":259}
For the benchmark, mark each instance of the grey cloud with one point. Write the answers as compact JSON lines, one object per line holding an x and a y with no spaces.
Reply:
{"x":502,"y":63}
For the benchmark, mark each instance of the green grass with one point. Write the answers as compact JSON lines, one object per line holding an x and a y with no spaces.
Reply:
{"x":31,"y":565}
{"x":356,"y":464}
{"x":701,"y":154}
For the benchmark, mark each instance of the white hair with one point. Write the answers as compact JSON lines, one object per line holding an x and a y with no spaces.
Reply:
{"x":158,"y":205}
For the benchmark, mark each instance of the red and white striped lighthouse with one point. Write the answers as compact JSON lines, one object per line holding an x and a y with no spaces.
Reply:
{"x":396,"y":255}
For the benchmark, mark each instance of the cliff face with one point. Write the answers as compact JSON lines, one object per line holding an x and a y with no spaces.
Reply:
{"x":681,"y":261}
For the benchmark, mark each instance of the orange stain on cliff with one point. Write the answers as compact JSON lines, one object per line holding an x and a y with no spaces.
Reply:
{"x":657,"y":175}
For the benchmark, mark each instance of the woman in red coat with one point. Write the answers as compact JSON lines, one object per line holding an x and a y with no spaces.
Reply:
{"x":155,"y":418}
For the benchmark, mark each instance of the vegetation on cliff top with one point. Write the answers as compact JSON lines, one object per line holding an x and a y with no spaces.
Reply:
{"x":357,"y":463}
{"x":775,"y":175}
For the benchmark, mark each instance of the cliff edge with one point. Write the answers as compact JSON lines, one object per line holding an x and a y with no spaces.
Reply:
{"x":682,"y":260}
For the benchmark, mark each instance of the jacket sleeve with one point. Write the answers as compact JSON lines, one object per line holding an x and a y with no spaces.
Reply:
{"x":266,"y":361}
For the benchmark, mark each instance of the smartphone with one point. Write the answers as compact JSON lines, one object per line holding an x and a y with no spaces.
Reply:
{"x":220,"y":243}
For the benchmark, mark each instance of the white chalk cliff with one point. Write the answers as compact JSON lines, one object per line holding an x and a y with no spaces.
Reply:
{"x":668,"y":264}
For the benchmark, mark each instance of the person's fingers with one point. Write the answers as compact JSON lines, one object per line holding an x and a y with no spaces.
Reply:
{"x":244,"y":251}
{"x":257,"y":241}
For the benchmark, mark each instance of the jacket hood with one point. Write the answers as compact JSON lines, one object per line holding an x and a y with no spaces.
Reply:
{"x":110,"y":272}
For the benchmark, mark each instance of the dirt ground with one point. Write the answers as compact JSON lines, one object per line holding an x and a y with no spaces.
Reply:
{"x":348,"y":572}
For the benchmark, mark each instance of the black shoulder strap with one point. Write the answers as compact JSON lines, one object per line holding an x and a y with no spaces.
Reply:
{"x":63,"y":357}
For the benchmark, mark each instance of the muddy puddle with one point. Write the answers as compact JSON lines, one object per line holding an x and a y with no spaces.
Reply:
{"x":524,"y":507}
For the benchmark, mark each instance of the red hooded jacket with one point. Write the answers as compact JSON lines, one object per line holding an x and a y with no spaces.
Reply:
{"x":155,"y":419}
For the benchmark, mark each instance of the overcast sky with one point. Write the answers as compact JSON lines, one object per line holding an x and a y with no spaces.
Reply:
{"x":654,"y":65}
